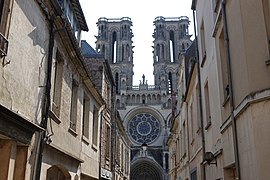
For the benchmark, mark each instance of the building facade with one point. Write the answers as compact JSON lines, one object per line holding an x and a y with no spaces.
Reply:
{"x":122,"y":151}
{"x":231,"y":75}
{"x":50,"y":110}
{"x":102,"y":78}
{"x":145,"y":110}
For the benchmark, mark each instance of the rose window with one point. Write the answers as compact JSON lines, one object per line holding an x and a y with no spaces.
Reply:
{"x":144,"y":128}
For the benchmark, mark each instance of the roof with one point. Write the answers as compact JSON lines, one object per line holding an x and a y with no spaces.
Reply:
{"x":88,"y":51}
{"x":79,"y":14}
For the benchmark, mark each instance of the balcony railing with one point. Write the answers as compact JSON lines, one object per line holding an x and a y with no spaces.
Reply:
{"x":3,"y":45}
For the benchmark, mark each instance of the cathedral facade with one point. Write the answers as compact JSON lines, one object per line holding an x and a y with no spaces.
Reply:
{"x":145,"y":109}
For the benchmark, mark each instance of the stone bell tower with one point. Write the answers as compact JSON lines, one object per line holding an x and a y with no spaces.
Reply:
{"x":171,"y":37}
{"x":114,"y":41}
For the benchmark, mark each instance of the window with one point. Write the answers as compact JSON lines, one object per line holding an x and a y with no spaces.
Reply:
{"x":114,"y":48}
{"x":95,"y":126}
{"x":144,"y":128}
{"x":166,"y":161}
{"x":117,"y":85}
{"x":73,"y":109}
{"x":108,"y":141}
{"x":158,"y":53}
{"x":56,"y":173}
{"x":86,"y":110}
{"x":70,"y":14}
{"x":57,"y":88}
{"x":207,"y":106}
{"x":222,"y":58}
{"x":172,"y":46}
{"x":193,"y":175}
{"x":5,"y":12}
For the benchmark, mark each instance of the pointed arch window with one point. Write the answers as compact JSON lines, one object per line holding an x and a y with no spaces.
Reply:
{"x":172,"y":46}
{"x":114,"y":48}
{"x":117,"y":83}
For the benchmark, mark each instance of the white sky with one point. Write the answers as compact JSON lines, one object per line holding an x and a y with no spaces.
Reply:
{"x":142,"y":14}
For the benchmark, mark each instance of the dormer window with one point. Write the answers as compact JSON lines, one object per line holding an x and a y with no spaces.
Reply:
{"x":71,"y":15}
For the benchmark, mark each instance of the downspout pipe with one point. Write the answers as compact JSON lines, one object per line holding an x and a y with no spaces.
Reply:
{"x":46,"y":104}
{"x":100,"y":138}
{"x":42,"y":136}
{"x":199,"y":91}
{"x":232,"y":107}
{"x":113,"y":144}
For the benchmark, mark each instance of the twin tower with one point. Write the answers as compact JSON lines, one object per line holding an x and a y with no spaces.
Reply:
{"x":171,"y":37}
{"x":145,"y":110}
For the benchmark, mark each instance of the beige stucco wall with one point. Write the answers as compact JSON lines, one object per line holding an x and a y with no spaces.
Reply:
{"x":253,"y":136}
{"x":249,"y":51}
{"x":249,"y":47}
{"x":22,"y":80}
{"x":22,"y":87}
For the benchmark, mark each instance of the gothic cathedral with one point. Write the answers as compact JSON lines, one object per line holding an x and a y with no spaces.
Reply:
{"x":145,"y":109}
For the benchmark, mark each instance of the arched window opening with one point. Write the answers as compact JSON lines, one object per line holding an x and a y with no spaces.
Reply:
{"x":128,"y":52}
{"x":123,"y":52}
{"x":143,"y":99}
{"x":133,"y":98}
{"x":167,"y":161}
{"x":170,"y":88}
{"x":138,"y":98}
{"x":59,"y":173}
{"x":172,"y":46}
{"x":157,"y":52}
{"x":114,"y":47}
{"x":128,"y":99}
{"x":158,"y":98}
{"x":117,"y":83}
{"x":162,"y":51}
{"x":148,"y":99}
{"x":154,"y":99}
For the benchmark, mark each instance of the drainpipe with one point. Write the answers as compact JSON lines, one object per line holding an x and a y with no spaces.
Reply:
{"x":113,"y":136}
{"x":42,"y":137}
{"x":46,"y":104}
{"x":228,"y":60}
{"x":200,"y":91}
{"x":100,"y":138}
